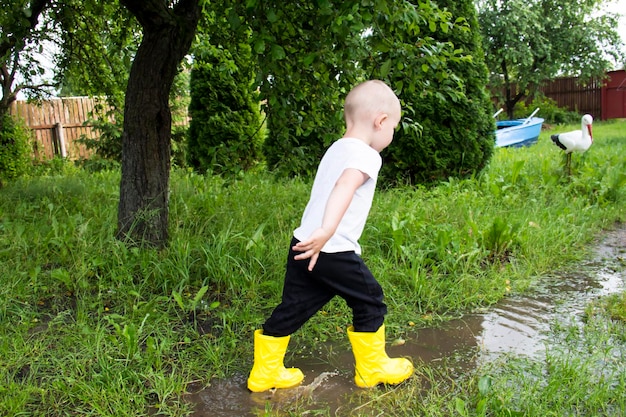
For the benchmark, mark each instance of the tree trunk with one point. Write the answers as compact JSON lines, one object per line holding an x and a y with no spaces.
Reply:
{"x":144,"y":188}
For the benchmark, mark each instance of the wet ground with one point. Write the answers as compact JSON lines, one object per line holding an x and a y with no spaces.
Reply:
{"x":518,"y":325}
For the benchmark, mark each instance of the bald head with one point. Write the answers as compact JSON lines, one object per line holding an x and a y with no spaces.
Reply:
{"x":369,"y":99}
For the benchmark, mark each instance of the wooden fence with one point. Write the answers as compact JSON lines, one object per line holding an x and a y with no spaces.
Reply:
{"x":57,"y":124}
{"x":602,"y":98}
{"x":575,"y":96}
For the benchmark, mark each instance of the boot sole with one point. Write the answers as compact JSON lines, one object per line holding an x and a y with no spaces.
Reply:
{"x":266,"y":387}
{"x":388,"y":381}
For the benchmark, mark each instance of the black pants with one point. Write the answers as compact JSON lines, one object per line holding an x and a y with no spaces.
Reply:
{"x":305,"y":293}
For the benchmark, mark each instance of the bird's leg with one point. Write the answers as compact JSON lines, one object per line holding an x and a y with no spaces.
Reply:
{"x":569,"y":164}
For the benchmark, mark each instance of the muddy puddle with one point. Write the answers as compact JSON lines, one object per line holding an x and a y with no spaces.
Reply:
{"x":518,"y":325}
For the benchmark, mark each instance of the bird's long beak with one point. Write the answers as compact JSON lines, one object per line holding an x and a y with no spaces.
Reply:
{"x":590,"y":135}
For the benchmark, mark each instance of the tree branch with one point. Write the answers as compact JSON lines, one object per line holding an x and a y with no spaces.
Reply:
{"x":149,"y":12}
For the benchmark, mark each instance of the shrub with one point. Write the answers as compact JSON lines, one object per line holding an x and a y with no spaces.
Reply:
{"x":451,"y":105}
{"x":179,"y":146}
{"x":107,"y":146}
{"x":548,"y":110}
{"x":224,"y":134}
{"x":433,"y":64}
{"x":15,"y":148}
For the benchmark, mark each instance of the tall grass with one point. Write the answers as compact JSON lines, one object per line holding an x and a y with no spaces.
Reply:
{"x":90,"y":326}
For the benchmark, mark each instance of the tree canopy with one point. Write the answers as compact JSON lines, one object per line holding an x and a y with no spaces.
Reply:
{"x":23,"y":34}
{"x":89,"y":44}
{"x":528,"y":42}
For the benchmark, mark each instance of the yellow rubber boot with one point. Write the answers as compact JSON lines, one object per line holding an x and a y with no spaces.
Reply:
{"x":373,"y":366}
{"x":268,"y":370}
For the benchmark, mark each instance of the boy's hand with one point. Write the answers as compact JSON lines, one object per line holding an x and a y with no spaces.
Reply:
{"x":311,"y":247}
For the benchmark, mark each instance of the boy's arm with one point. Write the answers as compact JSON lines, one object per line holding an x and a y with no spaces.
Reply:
{"x":336,"y":206}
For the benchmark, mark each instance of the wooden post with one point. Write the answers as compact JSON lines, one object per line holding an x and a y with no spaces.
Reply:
{"x":60,"y":134}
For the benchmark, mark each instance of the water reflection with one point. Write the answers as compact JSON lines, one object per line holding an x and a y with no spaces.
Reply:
{"x":518,"y":325}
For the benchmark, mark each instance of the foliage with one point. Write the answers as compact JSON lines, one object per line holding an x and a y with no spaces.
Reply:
{"x":322,"y":48}
{"x":108,"y":145}
{"x":99,"y":67}
{"x":403,"y":43}
{"x":179,"y":105}
{"x":97,"y":43}
{"x":108,"y":121}
{"x":15,"y":148}
{"x":179,"y":146}
{"x":612,"y":306}
{"x":529,"y":42}
{"x":89,"y":44}
{"x":225,"y":132}
{"x":306,"y":54}
{"x":580,"y":357}
{"x":22,"y":38}
{"x":581,"y":372}
{"x":548,"y":110}
{"x":447,"y":130}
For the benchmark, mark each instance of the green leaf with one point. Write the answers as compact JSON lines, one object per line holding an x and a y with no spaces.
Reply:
{"x":259,"y":46}
{"x":272,"y":17}
{"x":385,"y":68}
{"x":179,"y":299}
{"x":309,"y":58}
{"x":460,"y":407}
{"x":199,"y":295}
{"x":484,"y":384}
{"x":257,"y":237}
{"x":277,"y":52}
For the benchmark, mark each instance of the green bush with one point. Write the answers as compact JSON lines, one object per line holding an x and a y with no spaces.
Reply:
{"x":179,"y":146}
{"x":452,"y":108}
{"x":225,"y":132}
{"x":307,"y":54}
{"x":300,"y":130}
{"x":427,"y":55}
{"x":548,"y":110}
{"x":15,"y":148}
{"x":108,"y":145}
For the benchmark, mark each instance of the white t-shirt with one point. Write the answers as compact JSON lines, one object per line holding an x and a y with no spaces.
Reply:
{"x":344,"y":153}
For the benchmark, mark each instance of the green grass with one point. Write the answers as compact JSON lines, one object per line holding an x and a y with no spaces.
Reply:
{"x":615,"y":306}
{"x":91,"y":327}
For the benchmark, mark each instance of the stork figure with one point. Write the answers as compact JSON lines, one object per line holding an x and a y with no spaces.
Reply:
{"x":575,"y":141}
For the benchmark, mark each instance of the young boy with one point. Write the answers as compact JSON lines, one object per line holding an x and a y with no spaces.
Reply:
{"x":324,"y":258}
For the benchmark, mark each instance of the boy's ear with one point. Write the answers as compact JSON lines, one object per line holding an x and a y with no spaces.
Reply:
{"x":378,"y":121}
